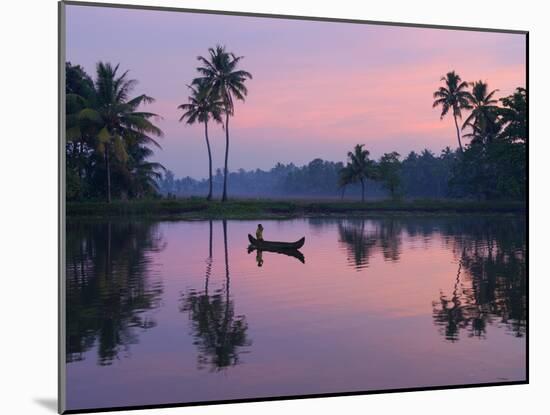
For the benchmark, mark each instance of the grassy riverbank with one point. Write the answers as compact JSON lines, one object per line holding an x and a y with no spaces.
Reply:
{"x":196,"y":208}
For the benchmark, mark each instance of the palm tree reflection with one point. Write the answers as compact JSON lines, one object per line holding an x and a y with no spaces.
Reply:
{"x":458,"y":313}
{"x":490,"y":283}
{"x":363,"y":238}
{"x":110,"y":286}
{"x":219,"y":334}
{"x":492,"y":259}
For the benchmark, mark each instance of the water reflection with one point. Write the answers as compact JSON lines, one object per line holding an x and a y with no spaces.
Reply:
{"x":490,"y":287}
{"x":219,"y":334}
{"x":370,"y":286}
{"x":490,"y":282}
{"x":295,"y":253}
{"x":110,"y":286}
{"x":362,"y":238}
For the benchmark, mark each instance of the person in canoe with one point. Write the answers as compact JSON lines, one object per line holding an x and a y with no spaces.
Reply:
{"x":260,"y":232}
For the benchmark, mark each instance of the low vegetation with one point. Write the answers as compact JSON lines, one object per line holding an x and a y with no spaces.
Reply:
{"x":198,"y":208}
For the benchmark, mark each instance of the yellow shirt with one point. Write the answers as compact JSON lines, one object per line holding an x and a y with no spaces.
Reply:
{"x":259,"y":234}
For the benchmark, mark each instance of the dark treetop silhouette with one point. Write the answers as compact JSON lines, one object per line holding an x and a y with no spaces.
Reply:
{"x":202,"y":107}
{"x":453,"y":96}
{"x":108,"y":136}
{"x":227,"y":83}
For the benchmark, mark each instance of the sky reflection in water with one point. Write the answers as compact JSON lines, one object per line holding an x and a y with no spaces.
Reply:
{"x":165,"y":312}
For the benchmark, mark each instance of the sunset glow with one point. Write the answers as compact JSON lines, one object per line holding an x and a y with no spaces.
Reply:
{"x":318,"y":89}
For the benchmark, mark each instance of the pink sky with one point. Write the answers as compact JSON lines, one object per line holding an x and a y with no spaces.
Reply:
{"x":319,"y":88}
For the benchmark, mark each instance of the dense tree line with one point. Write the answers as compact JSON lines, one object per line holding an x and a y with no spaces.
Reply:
{"x":110,"y":140}
{"x":319,"y":178}
{"x":418,"y":175}
{"x":493,"y":166}
{"x":109,"y":137}
{"x":482,"y":171}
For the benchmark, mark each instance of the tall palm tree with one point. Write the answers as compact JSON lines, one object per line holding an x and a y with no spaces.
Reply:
{"x":225,"y":81}
{"x":345,"y":177}
{"x":454,"y":95}
{"x":116,"y":116}
{"x":483,"y":118}
{"x":361,"y":167}
{"x":202,"y":107}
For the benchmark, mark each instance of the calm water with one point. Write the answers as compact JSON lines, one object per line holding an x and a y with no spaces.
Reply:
{"x":166,"y":312}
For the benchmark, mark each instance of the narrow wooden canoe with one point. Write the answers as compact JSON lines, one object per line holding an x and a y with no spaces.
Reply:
{"x":276,"y":245}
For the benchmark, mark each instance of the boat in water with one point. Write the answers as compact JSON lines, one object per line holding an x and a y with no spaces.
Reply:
{"x":275,"y":245}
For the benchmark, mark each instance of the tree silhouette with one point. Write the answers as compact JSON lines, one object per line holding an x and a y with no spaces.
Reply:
{"x":110,"y":286}
{"x":389,"y":172}
{"x":362,"y":241}
{"x":113,"y":119}
{"x":202,"y":107}
{"x":358,"y":169}
{"x":490,"y":287}
{"x":219,"y":334}
{"x":483,"y":118}
{"x":453,"y":96}
{"x":227,"y":83}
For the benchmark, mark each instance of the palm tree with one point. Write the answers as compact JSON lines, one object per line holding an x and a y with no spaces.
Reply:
{"x":225,"y":82}
{"x":361,"y":167}
{"x":202,"y":107}
{"x":144,"y":175}
{"x":453,"y":95}
{"x":484,"y":113}
{"x":116,"y":117}
{"x":345,"y":177}
{"x":513,"y":120}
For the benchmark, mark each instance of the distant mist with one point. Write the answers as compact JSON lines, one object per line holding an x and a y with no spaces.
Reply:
{"x":422,"y":175}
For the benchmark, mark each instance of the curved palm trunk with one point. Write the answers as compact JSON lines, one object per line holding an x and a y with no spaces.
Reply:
{"x":210,"y":241}
{"x":362,"y":190}
{"x":226,"y":256}
{"x":108,"y":167}
{"x":226,"y":319}
{"x":224,"y":195}
{"x":208,"y":262}
{"x":458,"y":133}
{"x":343,"y":191}
{"x":209,"y":197}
